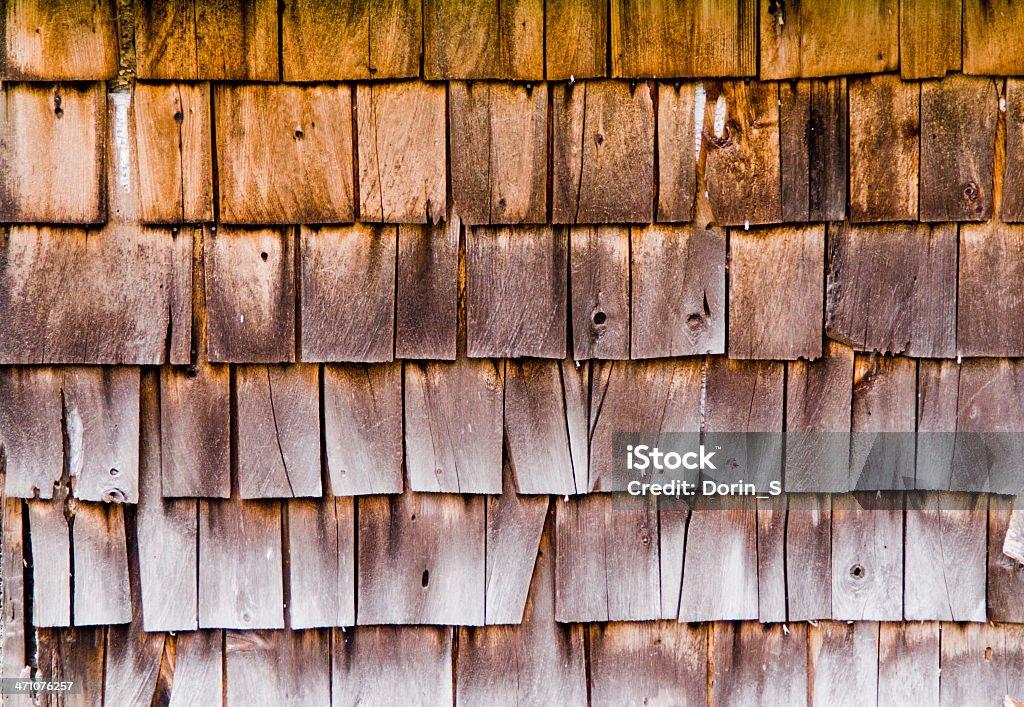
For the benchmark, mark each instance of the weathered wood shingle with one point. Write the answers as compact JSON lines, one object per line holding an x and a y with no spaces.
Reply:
{"x":483,"y":40}
{"x":46,"y":41}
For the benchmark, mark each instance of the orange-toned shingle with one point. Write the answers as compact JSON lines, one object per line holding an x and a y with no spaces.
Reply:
{"x":490,"y":39}
{"x":59,"y":41}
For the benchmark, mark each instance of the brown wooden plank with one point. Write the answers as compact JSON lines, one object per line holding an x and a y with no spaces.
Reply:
{"x":720,"y":566}
{"x":347,"y":293}
{"x":453,"y":425}
{"x":867,"y":557}
{"x":758,"y":664}
{"x":672,"y":520}
{"x":987,"y":304}
{"x":208,"y":39}
{"x":1005,"y":574}
{"x":133,"y":660}
{"x":603,"y":152}
{"x":48,"y":42}
{"x":545,"y":433}
{"x":499,"y":150}
{"x":250,"y":295}
{"x":699,"y":39}
{"x":842,"y":663}
{"x":240,"y":572}
{"x":771,"y":559}
{"x":198,"y":669}
{"x":883,"y":422}
{"x":173,"y":136}
{"x":599,"y":274}
{"x":677,"y":291}
{"x":988,"y":24}
{"x":372,"y":39}
{"x":421,"y":559}
{"x":362,"y":407}
{"x":101,"y":428}
{"x":401,"y":129}
{"x":31,"y":433}
{"x":945,"y":572}
{"x":806,"y":39}
{"x":647,"y":663}
{"x":884,"y":148}
{"x":607,"y":566}
{"x":575,"y":39}
{"x":41,"y":125}
{"x":929,"y":38}
{"x":980,"y":664}
{"x":892,"y":288}
{"x":739,"y":152}
{"x":13,"y":623}
{"x":908,"y":663}
{"x":426,"y":294}
{"x":659,"y":399}
{"x":818,"y":419}
{"x":516,"y":292}
{"x":51,"y":561}
{"x":299,"y":170}
{"x":195,"y":431}
{"x":514,"y":527}
{"x":165,"y":532}
{"x":1012,"y":179}
{"x":286,"y":668}
{"x":278,"y":409}
{"x":775,"y":293}
{"x":72,"y":654}
{"x":813,"y":145}
{"x":483,"y":40}
{"x":958,"y":133}
{"x":677,"y":164}
{"x":392,"y":665}
{"x":321,"y":563}
{"x":938,"y":387}
{"x":100,"y":568}
{"x":809,"y":557}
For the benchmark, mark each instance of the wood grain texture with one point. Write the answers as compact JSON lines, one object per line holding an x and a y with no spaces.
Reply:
{"x":603,"y":153}
{"x":516,"y":292}
{"x":401,"y":129}
{"x":421,"y":559}
{"x":775,"y":297}
{"x":250,"y":295}
{"x":867,"y":557}
{"x":677,"y":163}
{"x":371,"y":39}
{"x":48,"y":42}
{"x":51,"y":561}
{"x":100,"y":566}
{"x":73,"y":654}
{"x":426,"y":307}
{"x":740,"y":153}
{"x":883,"y":422}
{"x":938,"y":387}
{"x":546,"y":427}
{"x":988,"y":306}
{"x":284,"y":154}
{"x":945,"y":573}
{"x":240,"y":573}
{"x":1005,"y":574}
{"x":908,"y":663}
{"x":818,"y":38}
{"x":483,"y":40}
{"x":652,"y":662}
{"x":958,"y":134}
{"x":453,"y":426}
{"x":575,"y":39}
{"x":809,"y":557}
{"x":194,"y":431}
{"x":892,"y":288}
{"x":842,"y":663}
{"x":677,"y":284}
{"x":607,"y":565}
{"x":986,"y":25}
{"x":930,"y":41}
{"x":772,"y":520}
{"x":278,"y":448}
{"x":198,"y":668}
{"x":362,"y":409}
{"x":321,"y":563}
{"x":61,"y":126}
{"x":885,"y":127}
{"x":980,"y":664}
{"x":387,"y":665}
{"x":286,"y":668}
{"x":175,"y":162}
{"x":818,"y":411}
{"x":657,"y":398}
{"x":758,"y":664}
{"x":813,"y":142}
{"x":31,"y":433}
{"x":651,"y":39}
{"x":498,"y":135}
{"x":1012,"y":179}
{"x":227,"y":40}
{"x":165,"y":532}
{"x":13,"y":556}
{"x":599,"y":277}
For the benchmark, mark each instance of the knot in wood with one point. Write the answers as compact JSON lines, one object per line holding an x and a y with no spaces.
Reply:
{"x":599,"y":318}
{"x":695,"y":322}
{"x":599,"y":138}
{"x":971,"y":192}
{"x":114,"y":496}
{"x":857,"y":571}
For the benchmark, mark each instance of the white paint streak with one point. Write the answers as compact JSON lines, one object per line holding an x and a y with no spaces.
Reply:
{"x":121,"y":103}
{"x":700,"y":99}
{"x":720,"y":117}
{"x":76,"y":434}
